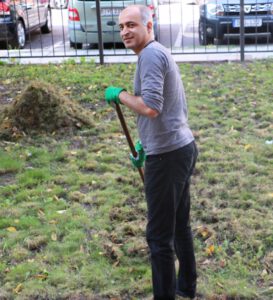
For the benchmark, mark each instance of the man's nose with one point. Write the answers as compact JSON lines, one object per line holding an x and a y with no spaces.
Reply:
{"x":124,"y":31}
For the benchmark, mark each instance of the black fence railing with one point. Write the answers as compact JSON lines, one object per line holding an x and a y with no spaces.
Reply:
{"x":76,"y":28}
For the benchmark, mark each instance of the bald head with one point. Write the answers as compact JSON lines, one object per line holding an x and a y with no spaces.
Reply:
{"x":145,"y":14}
{"x":143,"y":11}
{"x":136,"y":27}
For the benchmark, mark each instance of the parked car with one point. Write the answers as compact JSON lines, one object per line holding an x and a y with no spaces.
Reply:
{"x":19,"y":17}
{"x":220,"y":20}
{"x":82,"y":20}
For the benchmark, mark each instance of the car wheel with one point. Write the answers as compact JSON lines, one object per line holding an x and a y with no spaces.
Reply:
{"x":203,"y":38}
{"x":47,"y":28}
{"x":3,"y":45}
{"x":76,"y":45}
{"x":19,"y":40}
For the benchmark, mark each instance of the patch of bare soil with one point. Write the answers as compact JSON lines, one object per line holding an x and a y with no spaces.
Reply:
{"x":40,"y":108}
{"x":6,"y":179}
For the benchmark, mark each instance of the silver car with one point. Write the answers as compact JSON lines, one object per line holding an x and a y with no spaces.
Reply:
{"x":18,"y":18}
{"x":82,"y":20}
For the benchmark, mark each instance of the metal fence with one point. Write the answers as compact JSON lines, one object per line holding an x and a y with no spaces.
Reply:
{"x":89,"y":28}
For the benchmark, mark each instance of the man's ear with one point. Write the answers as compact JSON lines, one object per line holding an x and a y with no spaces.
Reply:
{"x":150,"y":26}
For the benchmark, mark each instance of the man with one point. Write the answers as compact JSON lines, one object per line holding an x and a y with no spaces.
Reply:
{"x":160,"y":104}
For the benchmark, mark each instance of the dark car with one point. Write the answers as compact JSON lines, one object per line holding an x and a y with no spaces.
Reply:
{"x":220,"y":20}
{"x":19,"y":17}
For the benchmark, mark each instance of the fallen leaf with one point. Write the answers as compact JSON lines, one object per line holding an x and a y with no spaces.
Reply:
{"x":210,"y":250}
{"x":55,"y":197}
{"x":7,"y":81}
{"x":248,"y":146}
{"x":99,"y":153}
{"x":92,"y":87}
{"x":18,"y":289}
{"x":11,"y":229}
{"x":41,"y":213}
{"x":205,"y":262}
{"x":222,"y":263}
{"x":54,"y":236}
{"x":116,"y":263}
{"x":41,"y":276}
{"x":204,"y":232}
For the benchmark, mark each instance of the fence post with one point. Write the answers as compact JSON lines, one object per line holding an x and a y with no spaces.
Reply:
{"x":100,"y":43}
{"x":242,"y":31}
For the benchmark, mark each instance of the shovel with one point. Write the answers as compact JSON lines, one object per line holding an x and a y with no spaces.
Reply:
{"x":128,"y":137}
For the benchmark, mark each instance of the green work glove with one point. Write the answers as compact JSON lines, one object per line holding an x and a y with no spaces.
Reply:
{"x":112,"y":94}
{"x":141,"y":156}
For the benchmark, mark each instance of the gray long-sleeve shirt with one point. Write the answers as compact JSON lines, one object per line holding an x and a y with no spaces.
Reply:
{"x":158,"y":82}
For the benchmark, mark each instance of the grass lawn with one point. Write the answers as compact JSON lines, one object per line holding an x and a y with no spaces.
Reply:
{"x":72,"y":208}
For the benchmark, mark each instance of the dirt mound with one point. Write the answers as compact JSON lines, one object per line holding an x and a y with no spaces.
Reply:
{"x":42,"y":108}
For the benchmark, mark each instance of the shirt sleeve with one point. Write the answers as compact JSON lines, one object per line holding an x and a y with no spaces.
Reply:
{"x":152,"y":70}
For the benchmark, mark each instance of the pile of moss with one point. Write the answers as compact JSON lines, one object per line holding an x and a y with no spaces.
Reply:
{"x":41,"y":108}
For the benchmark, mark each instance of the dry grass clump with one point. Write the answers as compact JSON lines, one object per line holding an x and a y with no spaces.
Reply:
{"x":42,"y":108}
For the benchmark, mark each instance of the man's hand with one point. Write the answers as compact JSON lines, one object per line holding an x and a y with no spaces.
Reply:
{"x":141,"y":156}
{"x":112,"y":94}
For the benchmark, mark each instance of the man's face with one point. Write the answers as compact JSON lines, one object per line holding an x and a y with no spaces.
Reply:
{"x":134,"y":34}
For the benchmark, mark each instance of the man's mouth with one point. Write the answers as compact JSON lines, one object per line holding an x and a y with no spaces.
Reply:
{"x":127,"y":40}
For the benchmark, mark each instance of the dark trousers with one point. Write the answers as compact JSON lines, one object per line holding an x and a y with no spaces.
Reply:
{"x":167,"y":189}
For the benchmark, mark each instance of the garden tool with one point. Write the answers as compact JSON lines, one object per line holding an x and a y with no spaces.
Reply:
{"x":128,"y":137}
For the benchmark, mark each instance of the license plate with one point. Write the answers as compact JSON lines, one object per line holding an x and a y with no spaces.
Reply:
{"x":248,"y":23}
{"x":108,"y":12}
